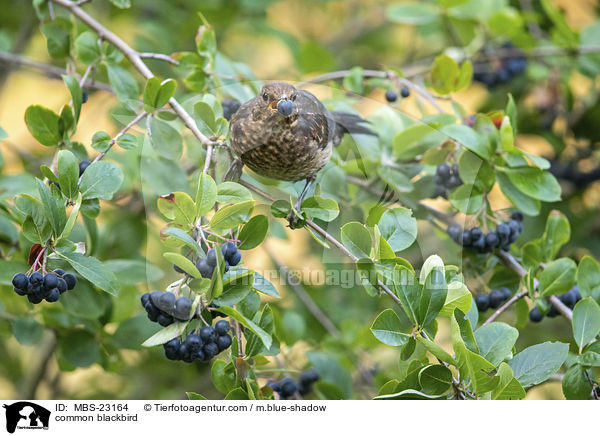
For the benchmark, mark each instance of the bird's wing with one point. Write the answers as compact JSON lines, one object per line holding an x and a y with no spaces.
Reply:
{"x":315,"y":118}
{"x":239,"y":127}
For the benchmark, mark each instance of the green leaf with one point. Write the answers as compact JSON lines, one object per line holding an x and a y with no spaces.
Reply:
{"x":133,"y":271}
{"x":458,"y":297}
{"x":468,"y":138}
{"x":223,"y":376}
{"x":165,"y":335}
{"x":508,"y":387}
{"x":526,"y":204}
{"x":467,"y":198}
{"x":575,"y":384}
{"x":57,"y":33}
{"x":264,"y":286}
{"x":231,"y":193}
{"x":68,"y":173}
{"x":231,"y":216}
{"x":166,"y":91}
{"x":331,"y":371}
{"x":436,"y":350}
{"x":388,"y":328}
{"x":399,"y":228}
{"x":495,"y":341}
{"x":206,"y":195}
{"x":408,"y":291}
{"x":72,"y":219}
{"x":194,"y":396}
{"x":534,"y":182}
{"x":27,"y":331}
{"x":76,"y":95}
{"x":444,"y":74}
{"x":435,"y":379}
{"x":412,"y":13}
{"x":101,"y":180}
{"x":264,"y":336}
{"x":55,"y":212}
{"x":397,"y":180}
{"x":264,"y":320}
{"x":43,"y":124}
{"x":253,"y":232}
{"x":101,"y":141}
{"x":557,"y":234}
{"x":432,"y":298}
{"x":121,"y":4}
{"x":127,"y":141}
{"x":356,"y":238}
{"x":185,"y":238}
{"x":178,"y":207}
{"x":86,"y":48}
{"x":93,"y":270}
{"x":325,"y":209}
{"x":184,"y":263}
{"x":80,"y":348}
{"x":150,"y":93}
{"x":205,"y":117}
{"x":165,"y":139}
{"x":537,"y":363}
{"x":408,"y":144}
{"x":586,"y":321}
{"x":558,"y":277}
{"x":588,"y":278}
{"x":125,"y":86}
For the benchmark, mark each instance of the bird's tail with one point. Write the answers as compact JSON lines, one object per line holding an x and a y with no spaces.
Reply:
{"x":347,"y":122}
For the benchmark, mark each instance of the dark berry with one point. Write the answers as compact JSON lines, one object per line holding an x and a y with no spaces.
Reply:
{"x":193,"y":342}
{"x":211,"y":350}
{"x":309,"y":377}
{"x":229,"y":107}
{"x":145,"y":298}
{"x":53,"y":295}
{"x":482,"y":301}
{"x":515,"y":229}
{"x":177,"y":269}
{"x":285,"y":107}
{"x":20,"y":291}
{"x":172,"y":354}
{"x":50,"y":281}
{"x":553,"y":311}
{"x":235,"y":258}
{"x":535,"y":315}
{"x":34,"y":298}
{"x":496,"y":298}
{"x":166,"y":302}
{"x":61,"y":285}
{"x":207,"y":334}
{"x":405,"y":92}
{"x":491,"y":240}
{"x":183,"y":306}
{"x":155,"y":297}
{"x":466,"y":238}
{"x":391,"y":96}
{"x":164,"y":320}
{"x":173,"y":344}
{"x":152,"y":311}
{"x":199,"y":356}
{"x":34,"y":289}
{"x":506,"y":293}
{"x":568,"y":299}
{"x":183,"y":353}
{"x":576,"y":293}
{"x":222,"y":327}
{"x":476,"y":233}
{"x":287,"y":387}
{"x":503,"y":232}
{"x":224,"y":342}
{"x":59,"y":271}
{"x":204,"y":268}
{"x":517,"y":216}
{"x":453,"y":182}
{"x":215,"y":313}
{"x":83,"y":166}
{"x":479,"y":245}
{"x":20,"y":281}
{"x":70,"y":279}
{"x":454,"y":232}
{"x":228,"y":249}
{"x":36,"y":278}
{"x":84,"y":97}
{"x":211,"y":258}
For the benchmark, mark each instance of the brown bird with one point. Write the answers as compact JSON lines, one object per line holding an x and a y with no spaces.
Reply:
{"x":287,"y":134}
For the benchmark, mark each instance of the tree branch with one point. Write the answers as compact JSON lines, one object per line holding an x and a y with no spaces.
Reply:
{"x":159,"y":56}
{"x":124,"y":130}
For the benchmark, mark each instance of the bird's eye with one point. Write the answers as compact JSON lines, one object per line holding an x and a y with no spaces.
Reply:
{"x":265,"y":96}
{"x":294,"y":97}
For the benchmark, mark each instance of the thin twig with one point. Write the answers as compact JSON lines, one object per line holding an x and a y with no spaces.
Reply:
{"x":124,"y":130}
{"x":159,"y":56}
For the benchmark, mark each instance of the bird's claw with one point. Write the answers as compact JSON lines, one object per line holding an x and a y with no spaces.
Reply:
{"x":294,"y":218}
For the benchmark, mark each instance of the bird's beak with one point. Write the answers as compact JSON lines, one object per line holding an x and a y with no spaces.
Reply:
{"x":273,"y":106}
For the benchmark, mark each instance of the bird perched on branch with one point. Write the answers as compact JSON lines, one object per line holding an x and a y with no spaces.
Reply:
{"x":287,"y":134}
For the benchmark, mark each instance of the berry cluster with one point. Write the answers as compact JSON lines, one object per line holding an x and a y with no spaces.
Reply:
{"x":288,"y":387}
{"x":200,"y":347}
{"x":474,"y":239}
{"x":492,"y":300}
{"x":569,"y":299}
{"x":40,"y":287}
{"x":83,"y":166}
{"x":446,"y":178}
{"x":503,"y":70}
{"x":229,"y":107}
{"x":206,"y":265}
{"x":391,"y":95}
{"x":165,"y":307}
{"x":570,"y":173}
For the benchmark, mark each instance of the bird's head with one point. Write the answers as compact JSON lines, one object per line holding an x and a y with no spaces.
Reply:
{"x":278,"y":98}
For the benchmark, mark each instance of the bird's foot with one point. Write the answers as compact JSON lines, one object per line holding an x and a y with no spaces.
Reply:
{"x":234,"y":172}
{"x":295,"y":219}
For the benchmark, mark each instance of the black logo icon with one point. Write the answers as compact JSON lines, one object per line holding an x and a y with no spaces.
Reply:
{"x":26,"y":415}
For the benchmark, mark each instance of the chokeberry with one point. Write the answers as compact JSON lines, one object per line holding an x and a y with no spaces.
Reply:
{"x":166,"y":302}
{"x":310,"y":376}
{"x":183,"y":306}
{"x":224,"y":342}
{"x":53,"y":295}
{"x":517,"y":216}
{"x":391,"y":96}
{"x":61,"y":285}
{"x":20,"y":281}
{"x":476,"y":233}
{"x":211,"y":350}
{"x":20,"y":291}
{"x":173,"y":344}
{"x":83,"y":166}
{"x":503,"y":232}
{"x":496,"y":298}
{"x":235,"y":258}
{"x":535,"y":315}
{"x":568,"y":299}
{"x":274,"y":385}
{"x":152,"y":311}
{"x":222,"y":327}
{"x":204,"y":268}
{"x":145,"y":298}
{"x":50,"y":280}
{"x":193,"y":342}
{"x":405,"y":92}
{"x":491,"y":240}
{"x":164,"y":319}
{"x":482,"y":301}
{"x":34,"y":298}
{"x":228,"y":249}
{"x":454,"y":232}
{"x":70,"y":279}
{"x":59,"y":271}
{"x":229,"y":107}
{"x":207,"y":334}
{"x":287,"y":387}
{"x":466,"y":237}
{"x":553,"y":312}
{"x":211,"y":258}
{"x":199,"y":355}
{"x":36,"y":278}
{"x":506,"y":293}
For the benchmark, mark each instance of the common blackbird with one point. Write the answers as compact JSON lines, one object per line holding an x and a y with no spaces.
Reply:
{"x":287,"y":134}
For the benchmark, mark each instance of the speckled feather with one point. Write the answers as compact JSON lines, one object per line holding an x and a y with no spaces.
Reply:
{"x":287,"y":148}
